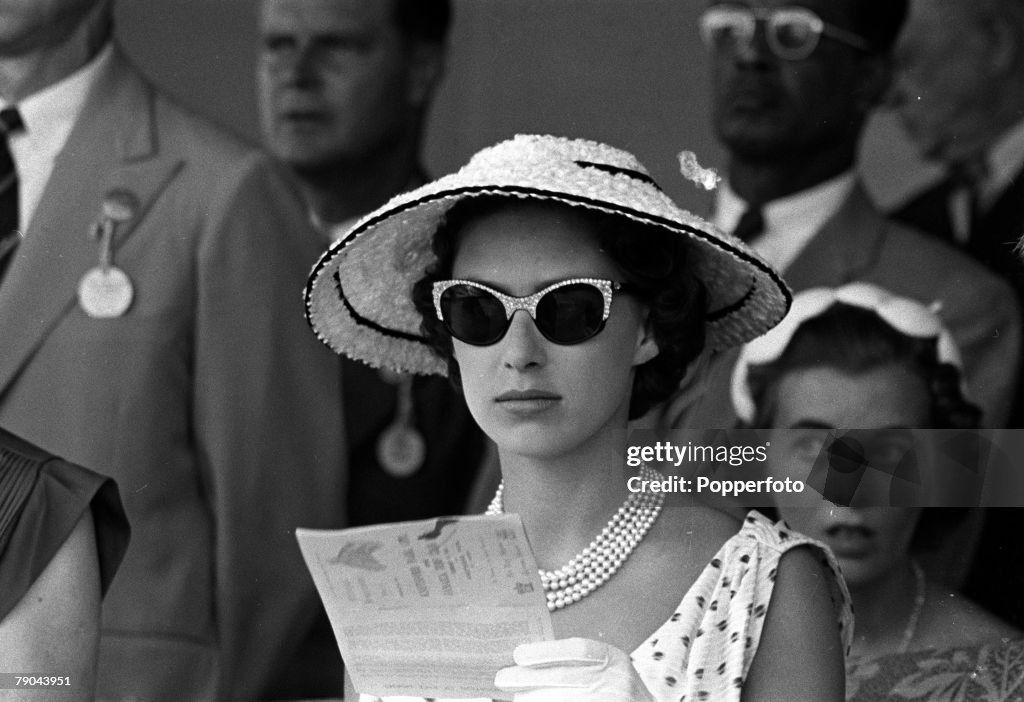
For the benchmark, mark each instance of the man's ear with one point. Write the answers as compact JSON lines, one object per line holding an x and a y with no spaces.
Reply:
{"x":646,"y":345}
{"x":426,"y":66}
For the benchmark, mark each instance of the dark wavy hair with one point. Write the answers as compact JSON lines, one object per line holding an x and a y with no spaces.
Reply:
{"x":653,"y":261}
{"x":854,"y":340}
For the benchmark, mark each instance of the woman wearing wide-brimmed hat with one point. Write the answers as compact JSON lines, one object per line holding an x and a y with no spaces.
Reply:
{"x":565,"y":293}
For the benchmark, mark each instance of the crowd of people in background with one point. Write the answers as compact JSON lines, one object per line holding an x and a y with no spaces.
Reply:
{"x":167,"y":417}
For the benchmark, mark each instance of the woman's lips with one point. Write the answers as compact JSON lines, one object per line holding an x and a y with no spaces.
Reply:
{"x":527,"y":402}
{"x":850,"y":541}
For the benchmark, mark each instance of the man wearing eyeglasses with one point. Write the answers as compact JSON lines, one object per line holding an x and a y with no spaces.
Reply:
{"x":792,"y":88}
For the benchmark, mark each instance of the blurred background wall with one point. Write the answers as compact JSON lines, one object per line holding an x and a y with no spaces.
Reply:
{"x":630,"y":72}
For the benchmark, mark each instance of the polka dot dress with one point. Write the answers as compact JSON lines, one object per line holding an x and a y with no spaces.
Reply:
{"x":704,"y":650}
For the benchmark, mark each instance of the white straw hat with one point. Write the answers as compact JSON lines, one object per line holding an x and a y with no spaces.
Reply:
{"x":359,"y":295}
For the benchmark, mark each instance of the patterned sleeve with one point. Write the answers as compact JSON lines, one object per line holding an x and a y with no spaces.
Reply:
{"x":706,"y":648}
{"x":783,"y":538}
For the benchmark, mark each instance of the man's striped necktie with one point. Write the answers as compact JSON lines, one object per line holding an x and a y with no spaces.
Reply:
{"x":10,"y":235}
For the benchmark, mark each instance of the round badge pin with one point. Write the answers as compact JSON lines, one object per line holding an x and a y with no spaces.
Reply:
{"x":401,"y":450}
{"x":105,"y":292}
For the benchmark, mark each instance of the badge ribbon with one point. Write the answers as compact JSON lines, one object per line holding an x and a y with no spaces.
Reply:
{"x":106,"y":291}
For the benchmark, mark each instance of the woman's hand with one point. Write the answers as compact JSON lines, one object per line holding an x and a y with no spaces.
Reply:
{"x":572,"y":670}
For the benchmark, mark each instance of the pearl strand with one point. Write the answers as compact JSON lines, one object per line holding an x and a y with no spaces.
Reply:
{"x":599,"y":561}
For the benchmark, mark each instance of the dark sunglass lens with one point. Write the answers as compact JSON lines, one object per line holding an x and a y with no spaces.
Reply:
{"x":473,"y":315}
{"x":571,"y":314}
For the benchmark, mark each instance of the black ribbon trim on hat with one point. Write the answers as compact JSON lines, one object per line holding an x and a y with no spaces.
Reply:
{"x":369,"y":323}
{"x":718,"y":314}
{"x":618,"y":170}
{"x":570,"y":199}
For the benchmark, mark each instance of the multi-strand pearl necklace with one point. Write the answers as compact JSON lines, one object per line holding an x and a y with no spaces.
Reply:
{"x":599,"y":561}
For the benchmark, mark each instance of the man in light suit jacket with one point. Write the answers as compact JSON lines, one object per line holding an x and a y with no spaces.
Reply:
{"x":151,"y":329}
{"x":791,"y":115}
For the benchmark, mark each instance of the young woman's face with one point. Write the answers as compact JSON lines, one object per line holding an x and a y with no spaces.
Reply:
{"x":870,"y":540}
{"x":531,"y":396}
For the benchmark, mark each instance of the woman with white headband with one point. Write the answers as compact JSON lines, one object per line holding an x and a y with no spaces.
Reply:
{"x":555,"y":282}
{"x":845,"y":377}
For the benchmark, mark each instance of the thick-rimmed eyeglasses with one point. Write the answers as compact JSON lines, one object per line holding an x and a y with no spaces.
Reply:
{"x":567,"y":312}
{"x":792,"y":33}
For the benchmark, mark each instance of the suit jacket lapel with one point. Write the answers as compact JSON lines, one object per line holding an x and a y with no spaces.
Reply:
{"x":113,"y":145}
{"x":844,"y":249}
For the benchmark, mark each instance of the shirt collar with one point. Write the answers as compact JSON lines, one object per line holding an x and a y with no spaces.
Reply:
{"x":52,"y":111}
{"x":49,"y":116}
{"x":790,"y":222}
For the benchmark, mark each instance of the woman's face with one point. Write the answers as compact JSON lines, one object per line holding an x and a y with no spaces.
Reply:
{"x":531,"y":396}
{"x":816,"y":404}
